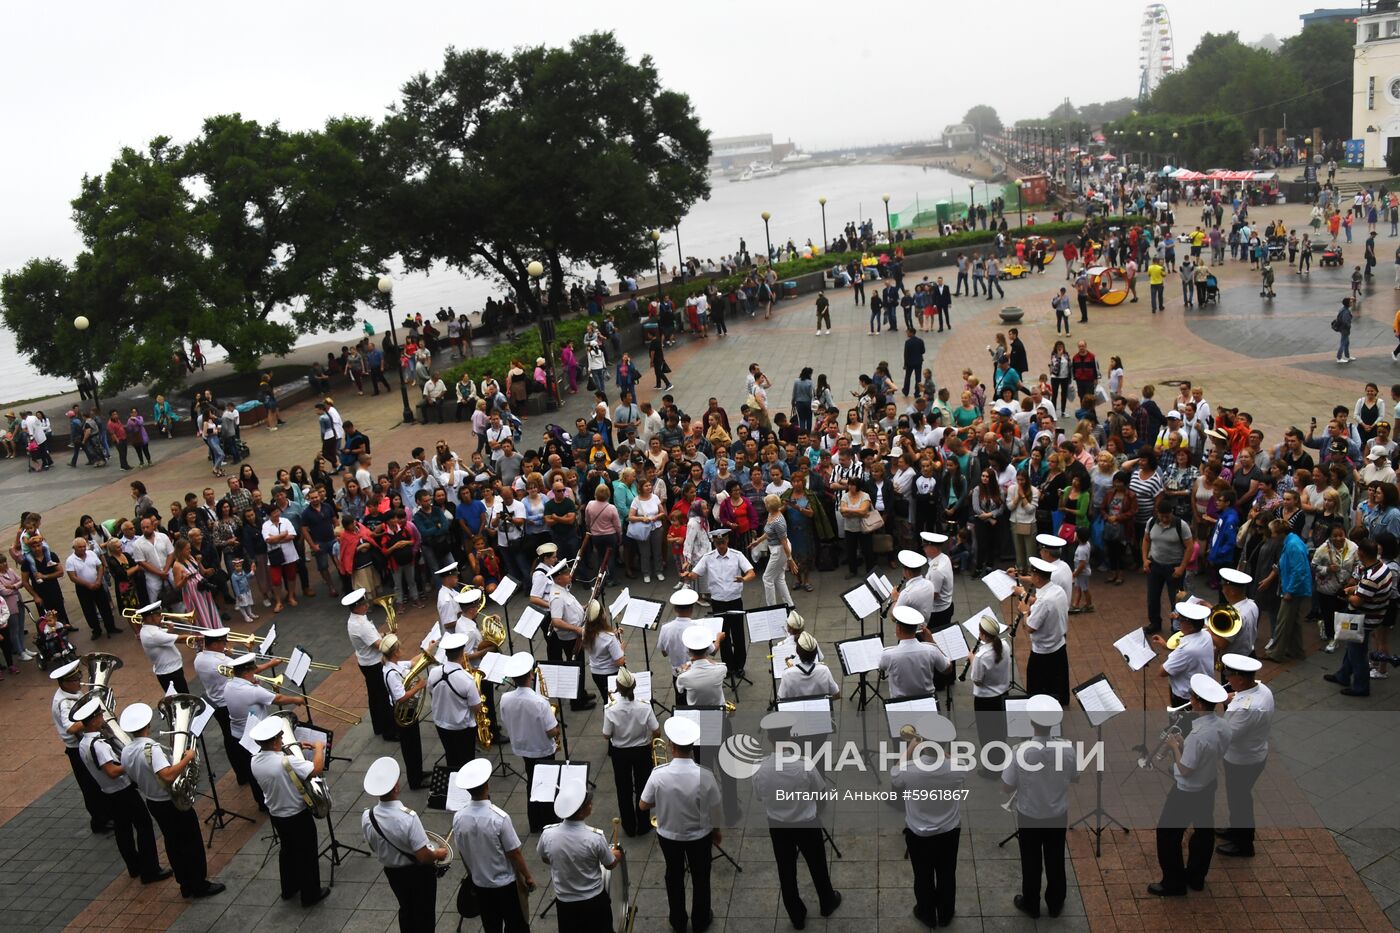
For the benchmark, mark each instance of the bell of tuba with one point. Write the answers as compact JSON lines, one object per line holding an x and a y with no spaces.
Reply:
{"x":100,"y":666}
{"x":410,"y":710}
{"x":180,"y":710}
{"x":314,"y":792}
{"x":110,"y":730}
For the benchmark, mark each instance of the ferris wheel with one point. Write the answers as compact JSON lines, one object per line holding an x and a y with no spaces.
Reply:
{"x":1155,"y":49}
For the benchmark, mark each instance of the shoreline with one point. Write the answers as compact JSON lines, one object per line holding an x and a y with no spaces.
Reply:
{"x":971,"y":163}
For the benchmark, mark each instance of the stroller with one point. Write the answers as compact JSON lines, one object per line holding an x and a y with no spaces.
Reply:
{"x":1332,"y":256}
{"x":51,"y":641}
{"x":1212,"y":290}
{"x":1278,"y":247}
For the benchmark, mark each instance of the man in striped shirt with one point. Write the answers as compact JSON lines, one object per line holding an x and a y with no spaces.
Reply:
{"x":1370,"y":596}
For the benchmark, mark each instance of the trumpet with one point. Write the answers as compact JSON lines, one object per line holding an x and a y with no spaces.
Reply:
{"x":1173,"y":729}
{"x":391,"y":615}
{"x":134,"y":617}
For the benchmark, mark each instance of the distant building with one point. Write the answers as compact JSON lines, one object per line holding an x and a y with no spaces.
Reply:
{"x":1342,"y":15}
{"x":1375,"y":115}
{"x":960,"y":136}
{"x":738,"y":151}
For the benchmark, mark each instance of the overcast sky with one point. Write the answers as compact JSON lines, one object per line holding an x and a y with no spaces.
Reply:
{"x":83,"y":79}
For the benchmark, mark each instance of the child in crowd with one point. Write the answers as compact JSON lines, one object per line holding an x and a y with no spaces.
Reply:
{"x":675,"y":539}
{"x":1083,"y":600}
{"x":1356,"y":279}
{"x":961,"y":555}
{"x":242,"y":583}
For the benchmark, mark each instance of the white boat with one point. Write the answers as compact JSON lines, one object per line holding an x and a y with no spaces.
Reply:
{"x":757,"y":170}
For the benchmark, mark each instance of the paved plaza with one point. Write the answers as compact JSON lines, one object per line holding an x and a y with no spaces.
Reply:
{"x":1322,"y":866}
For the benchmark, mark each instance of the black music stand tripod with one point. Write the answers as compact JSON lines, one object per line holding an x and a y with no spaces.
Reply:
{"x":220,"y":818}
{"x":335,"y":847}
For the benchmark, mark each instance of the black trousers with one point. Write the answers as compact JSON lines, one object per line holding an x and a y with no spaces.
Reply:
{"x":136,"y":836}
{"x":184,"y":844}
{"x":1182,"y":809}
{"x":97,"y":609}
{"x":1239,"y":794}
{"x":1042,"y":848}
{"x":221,"y":717}
{"x":943,"y":320}
{"x":734,"y":650}
{"x":631,"y":770}
{"x":94,"y":800}
{"x":415,"y":886}
{"x":459,"y":744}
{"x":593,"y":914}
{"x":174,"y":677}
{"x":297,"y":859}
{"x":935,"y":862}
{"x":679,"y":855}
{"x":381,"y":713}
{"x":860,"y":548}
{"x":241,"y":760}
{"x":1049,"y":673}
{"x":787,"y":842}
{"x":990,"y":713}
{"x":411,"y":747}
{"x":500,"y":910}
{"x":537,"y":813}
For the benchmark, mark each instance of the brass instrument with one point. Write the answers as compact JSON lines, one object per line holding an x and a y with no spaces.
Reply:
{"x":660,"y":755}
{"x":251,"y":642}
{"x":412,"y":709}
{"x":493,"y":630}
{"x":110,"y":730}
{"x":192,"y":641}
{"x":135,"y":616}
{"x":1173,"y":729}
{"x":99,"y":668}
{"x":440,"y":842}
{"x":617,"y":883}
{"x":314,"y":791}
{"x":483,"y":718}
{"x":391,"y":615}
{"x":312,"y":703}
{"x":180,"y":709}
{"x":1223,"y":623}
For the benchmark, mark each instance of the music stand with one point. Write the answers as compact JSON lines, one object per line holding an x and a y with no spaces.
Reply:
{"x":549,"y":779}
{"x":298,"y":665}
{"x":562,"y":681}
{"x":335,"y":847}
{"x":505,"y":589}
{"x":221,"y":817}
{"x":860,"y":656}
{"x":1138,"y":654}
{"x":1100,"y":704}
{"x":531,"y":618}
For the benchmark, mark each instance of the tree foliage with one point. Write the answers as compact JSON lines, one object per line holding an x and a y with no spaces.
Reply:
{"x":1202,"y":141}
{"x":984,"y":119}
{"x":566,"y":155}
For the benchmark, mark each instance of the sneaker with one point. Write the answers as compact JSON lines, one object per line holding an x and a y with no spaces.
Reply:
{"x":661,"y":577}
{"x":1331,"y":646}
{"x":1379,"y":675}
{"x":1395,"y":354}
{"x":1270,"y":646}
{"x":646,"y":579}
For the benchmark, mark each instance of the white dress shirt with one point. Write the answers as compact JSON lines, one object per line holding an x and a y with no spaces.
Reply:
{"x":629,"y":723}
{"x":162,"y":649}
{"x":575,"y":853}
{"x":683,"y":795}
{"x":281,"y":795}
{"x":1048,"y":620}
{"x":909,"y":666}
{"x":1202,"y":750}
{"x":940,"y":809}
{"x":1042,"y":784}
{"x":789,"y":793}
{"x":1194,"y":655}
{"x":991,"y":678}
{"x":206,"y":668}
{"x":703,"y":683}
{"x":483,"y":833}
{"x":95,"y":752}
{"x":1249,"y":717}
{"x":527,"y":718}
{"x":59,"y":708}
{"x":143,"y":770}
{"x":397,"y":826}
{"x":242,"y":697}
{"x":807,"y":680}
{"x":719,"y":574}
{"x":454,"y":694}
{"x":364,"y":639}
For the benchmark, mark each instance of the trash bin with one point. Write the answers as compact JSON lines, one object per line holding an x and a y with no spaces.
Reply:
{"x":790,"y":289}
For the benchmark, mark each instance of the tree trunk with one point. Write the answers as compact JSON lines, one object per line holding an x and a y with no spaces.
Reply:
{"x":556,"y":286}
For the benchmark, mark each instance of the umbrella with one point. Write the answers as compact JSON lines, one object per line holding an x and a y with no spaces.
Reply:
{"x":1108,"y":157}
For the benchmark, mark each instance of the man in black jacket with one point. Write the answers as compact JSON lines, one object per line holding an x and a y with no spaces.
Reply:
{"x":942,"y":301}
{"x":913,"y":358}
{"x":1018,"y":355}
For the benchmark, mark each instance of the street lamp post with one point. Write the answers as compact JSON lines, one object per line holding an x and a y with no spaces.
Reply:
{"x":656,"y":249}
{"x":971,"y":199}
{"x":535,"y":269}
{"x":1020,"y":220}
{"x":767,"y":243}
{"x":386,"y":288}
{"x":825,"y":241}
{"x":680,"y":253}
{"x":889,"y":231}
{"x":81,"y":324}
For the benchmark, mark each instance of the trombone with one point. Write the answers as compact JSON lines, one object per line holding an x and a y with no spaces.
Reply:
{"x":312,"y":703}
{"x":192,"y":641}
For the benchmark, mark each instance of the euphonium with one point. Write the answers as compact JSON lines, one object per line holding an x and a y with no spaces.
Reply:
{"x":110,"y":730}
{"x":483,"y":719}
{"x":410,"y":710}
{"x":100,"y":667}
{"x":180,"y":709}
{"x":314,"y":792}
{"x":660,"y":755}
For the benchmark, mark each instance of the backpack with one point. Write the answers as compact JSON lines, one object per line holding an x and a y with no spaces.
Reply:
{"x":1177,"y":523}
{"x":1336,"y":324}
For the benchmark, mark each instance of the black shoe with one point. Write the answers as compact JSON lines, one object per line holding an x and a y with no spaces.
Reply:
{"x":100,"y":828}
{"x":1348,"y":692}
{"x":583,"y":707}
{"x":1020,"y":904}
{"x":95,"y":634}
{"x":1197,"y":885}
{"x":158,"y":876}
{"x":1161,"y":890}
{"x":835,"y":903}
{"x":317,"y":898}
{"x":1056,"y":909}
{"x":1234,"y":849}
{"x":1332,"y":678}
{"x":209,"y":890}
{"x":798,"y":923}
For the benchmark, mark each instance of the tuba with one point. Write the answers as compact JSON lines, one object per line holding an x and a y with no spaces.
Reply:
{"x":110,"y":730}
{"x":617,"y":883}
{"x":100,"y":666}
{"x":314,"y":792}
{"x":180,"y":710}
{"x":411,"y":710}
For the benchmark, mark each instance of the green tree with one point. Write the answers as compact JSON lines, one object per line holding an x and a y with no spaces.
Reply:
{"x":983,"y":119}
{"x":1322,"y":55}
{"x":566,"y":155}
{"x":39,"y":303}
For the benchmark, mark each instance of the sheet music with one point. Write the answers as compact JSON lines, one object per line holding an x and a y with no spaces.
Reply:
{"x":550,"y":779}
{"x":199,"y":722}
{"x":641,"y":613}
{"x":434,"y":635}
{"x":861,"y":602}
{"x":813,"y":715}
{"x":713,"y":624}
{"x":860,"y":655}
{"x":247,"y":740}
{"x":529,"y":622}
{"x":1001,"y":583}
{"x":641,"y":692}
{"x":1135,"y":649}
{"x":266,"y":648}
{"x":974,"y":624}
{"x":457,"y":797}
{"x":1018,"y":721}
{"x":711,"y":723}
{"x":298,"y":664}
{"x":561,"y":679}
{"x":620,"y":603}
{"x":767,"y":624}
{"x":880,"y":585}
{"x":781,"y":652}
{"x":901,"y":713}
{"x":1098,"y":700}
{"x":307,"y":735}
{"x":505,"y":589}
{"x":952,"y":642}
{"x":493,"y":666}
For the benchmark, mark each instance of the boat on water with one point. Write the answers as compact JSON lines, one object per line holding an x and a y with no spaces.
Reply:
{"x":757,"y":170}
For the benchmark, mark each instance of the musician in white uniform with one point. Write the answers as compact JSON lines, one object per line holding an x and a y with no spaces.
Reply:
{"x":244,"y":695}
{"x":1039,"y":775}
{"x":1249,"y":716}
{"x":162,"y":649}
{"x":940,"y":573}
{"x":1046,"y":614}
{"x":991,"y":682}
{"x":364,"y":641}
{"x":668,"y":637}
{"x":722,"y":573}
{"x":533,"y":726}
{"x":447,"y":594}
{"x":932,"y":816}
{"x":910,"y":664}
{"x":542,"y":593}
{"x":685,"y":797}
{"x":1234,"y":589}
{"x":1194,"y":655}
{"x":69,"y":679}
{"x":701,"y":681}
{"x":206,"y":671}
{"x":630,"y":726}
{"x":410,"y":737}
{"x":566,"y":622}
{"x":796,"y":625}
{"x":151,"y":770}
{"x":483,"y":833}
{"x":915,"y":590}
{"x":469,"y":602}
{"x":395,"y":835}
{"x":283,"y":780}
{"x":788,"y":791}
{"x":136,"y":838}
{"x":456,"y":704}
{"x":1191,"y":801}
{"x":1052,"y":549}
{"x":808,"y":677}
{"x":576,"y":854}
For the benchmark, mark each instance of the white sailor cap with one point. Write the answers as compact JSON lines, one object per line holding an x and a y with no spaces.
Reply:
{"x":1193,"y":611}
{"x":136,"y":717}
{"x":467,"y":597}
{"x":519,"y":664}
{"x":449,"y":568}
{"x":267,"y":729}
{"x":1045,"y":710}
{"x":569,"y":801}
{"x":777,"y":722}
{"x":1241,"y":662}
{"x":697,"y":638}
{"x":352,"y":598}
{"x":626,"y":680}
{"x":62,"y":673}
{"x":382,"y":776}
{"x":85,"y":710}
{"x":807,"y":641}
{"x":1053,"y":542}
{"x":795,"y":622}
{"x":908,"y":615}
{"x":933,"y":537}
{"x":474,"y":773}
{"x":546,"y":549}
{"x":1237,"y":577}
{"x":682,"y":731}
{"x":719,"y":532}
{"x":912,"y":560}
{"x":149,"y":608}
{"x":1044,"y":566}
{"x":216,"y":633}
{"x":246,"y":657}
{"x":1207,"y":688}
{"x":684,"y":596}
{"x":563,"y":566}
{"x":934,"y":727}
{"x":453,"y":640}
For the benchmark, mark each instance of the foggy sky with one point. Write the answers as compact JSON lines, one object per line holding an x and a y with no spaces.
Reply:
{"x":83,"y":79}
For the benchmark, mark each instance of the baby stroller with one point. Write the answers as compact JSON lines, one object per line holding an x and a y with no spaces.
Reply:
{"x":51,"y":642}
{"x":1332,"y":256}
{"x":1212,"y":290}
{"x":1278,"y":247}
